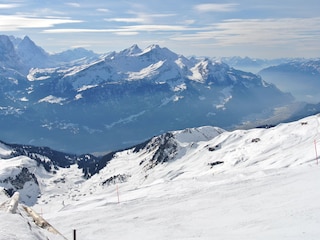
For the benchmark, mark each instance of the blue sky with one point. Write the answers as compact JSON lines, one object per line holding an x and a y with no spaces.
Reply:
{"x":255,"y":28}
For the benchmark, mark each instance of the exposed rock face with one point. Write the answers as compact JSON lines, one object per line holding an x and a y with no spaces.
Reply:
{"x":17,"y":182}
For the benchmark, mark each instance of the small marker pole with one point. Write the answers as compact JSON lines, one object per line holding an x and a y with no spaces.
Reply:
{"x":118,"y":194}
{"x":74,"y":234}
{"x":315,"y":148}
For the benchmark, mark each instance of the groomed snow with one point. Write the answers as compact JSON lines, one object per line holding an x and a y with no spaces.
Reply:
{"x":273,"y":205}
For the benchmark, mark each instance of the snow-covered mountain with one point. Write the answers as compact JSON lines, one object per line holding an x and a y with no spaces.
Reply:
{"x":300,"y":77}
{"x":254,"y":65}
{"x":195,"y":183}
{"x":111,"y":101}
{"x":30,"y":54}
{"x":8,"y":56}
{"x":22,"y":54}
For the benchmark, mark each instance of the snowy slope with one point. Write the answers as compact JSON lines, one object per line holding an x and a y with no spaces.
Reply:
{"x":23,"y":222}
{"x":264,"y":189}
{"x":199,"y":183}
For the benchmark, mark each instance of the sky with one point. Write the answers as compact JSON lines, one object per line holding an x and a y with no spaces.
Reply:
{"x":254,"y":28}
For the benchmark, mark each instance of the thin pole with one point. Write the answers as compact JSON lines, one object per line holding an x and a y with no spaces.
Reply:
{"x":118,"y":194}
{"x":315,"y":148}
{"x":74,"y":234}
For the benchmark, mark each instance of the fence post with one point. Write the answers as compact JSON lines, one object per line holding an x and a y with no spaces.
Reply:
{"x":74,"y":234}
{"x":315,"y":148}
{"x":118,"y":194}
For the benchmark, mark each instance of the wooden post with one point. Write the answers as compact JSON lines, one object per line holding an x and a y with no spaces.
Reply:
{"x":315,"y":148}
{"x":118,"y":194}
{"x":74,"y":234}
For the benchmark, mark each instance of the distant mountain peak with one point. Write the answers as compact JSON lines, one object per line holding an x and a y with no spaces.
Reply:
{"x":8,"y":56}
{"x":27,"y":39}
{"x":28,"y":45}
{"x":156,"y":52}
{"x":133,"y":50}
{"x":31,"y":54}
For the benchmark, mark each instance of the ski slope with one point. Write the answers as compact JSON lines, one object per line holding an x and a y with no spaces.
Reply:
{"x":245,"y":184}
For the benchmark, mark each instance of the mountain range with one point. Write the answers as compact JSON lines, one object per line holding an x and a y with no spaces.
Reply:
{"x":253,"y":65}
{"x":78,"y":101}
{"x":301,"y":78}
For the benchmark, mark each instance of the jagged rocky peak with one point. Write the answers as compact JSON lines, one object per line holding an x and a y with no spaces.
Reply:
{"x":214,"y":65}
{"x":31,"y":55}
{"x":23,"y":181}
{"x":28,"y":46}
{"x":8,"y":56}
{"x":6,"y":45}
{"x":166,"y":147}
{"x":133,"y":50}
{"x":204,"y":70}
{"x":159,"y":53}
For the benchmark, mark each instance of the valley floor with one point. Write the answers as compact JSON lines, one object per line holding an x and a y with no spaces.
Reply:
{"x":272,"y":204}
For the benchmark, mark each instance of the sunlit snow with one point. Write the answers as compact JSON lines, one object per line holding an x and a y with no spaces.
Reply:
{"x":246,"y":184}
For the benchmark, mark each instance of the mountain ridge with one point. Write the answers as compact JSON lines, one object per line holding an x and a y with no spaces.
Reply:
{"x":179,"y":154}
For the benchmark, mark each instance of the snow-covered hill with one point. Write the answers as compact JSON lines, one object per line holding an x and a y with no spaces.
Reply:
{"x":197,"y":183}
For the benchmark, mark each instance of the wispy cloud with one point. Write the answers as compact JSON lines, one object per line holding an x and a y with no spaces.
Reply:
{"x":257,"y":31}
{"x":216,"y":7}
{"x":142,"y":17}
{"x":124,"y":30}
{"x":8,"y":5}
{"x":126,"y":33}
{"x":78,"y":30}
{"x":14,"y":23}
{"x":73,"y":4}
{"x":126,"y":20}
{"x":104,"y":10}
{"x":154,"y":27}
{"x":209,"y":25}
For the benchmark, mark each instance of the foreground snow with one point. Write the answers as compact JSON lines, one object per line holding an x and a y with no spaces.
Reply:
{"x":273,"y":205}
{"x":214,"y":184}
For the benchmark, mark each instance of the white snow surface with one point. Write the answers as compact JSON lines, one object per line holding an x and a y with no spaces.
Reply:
{"x":244,"y":184}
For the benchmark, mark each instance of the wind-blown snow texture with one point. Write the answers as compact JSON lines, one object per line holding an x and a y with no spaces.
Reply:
{"x":77,"y":101}
{"x":199,"y":183}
